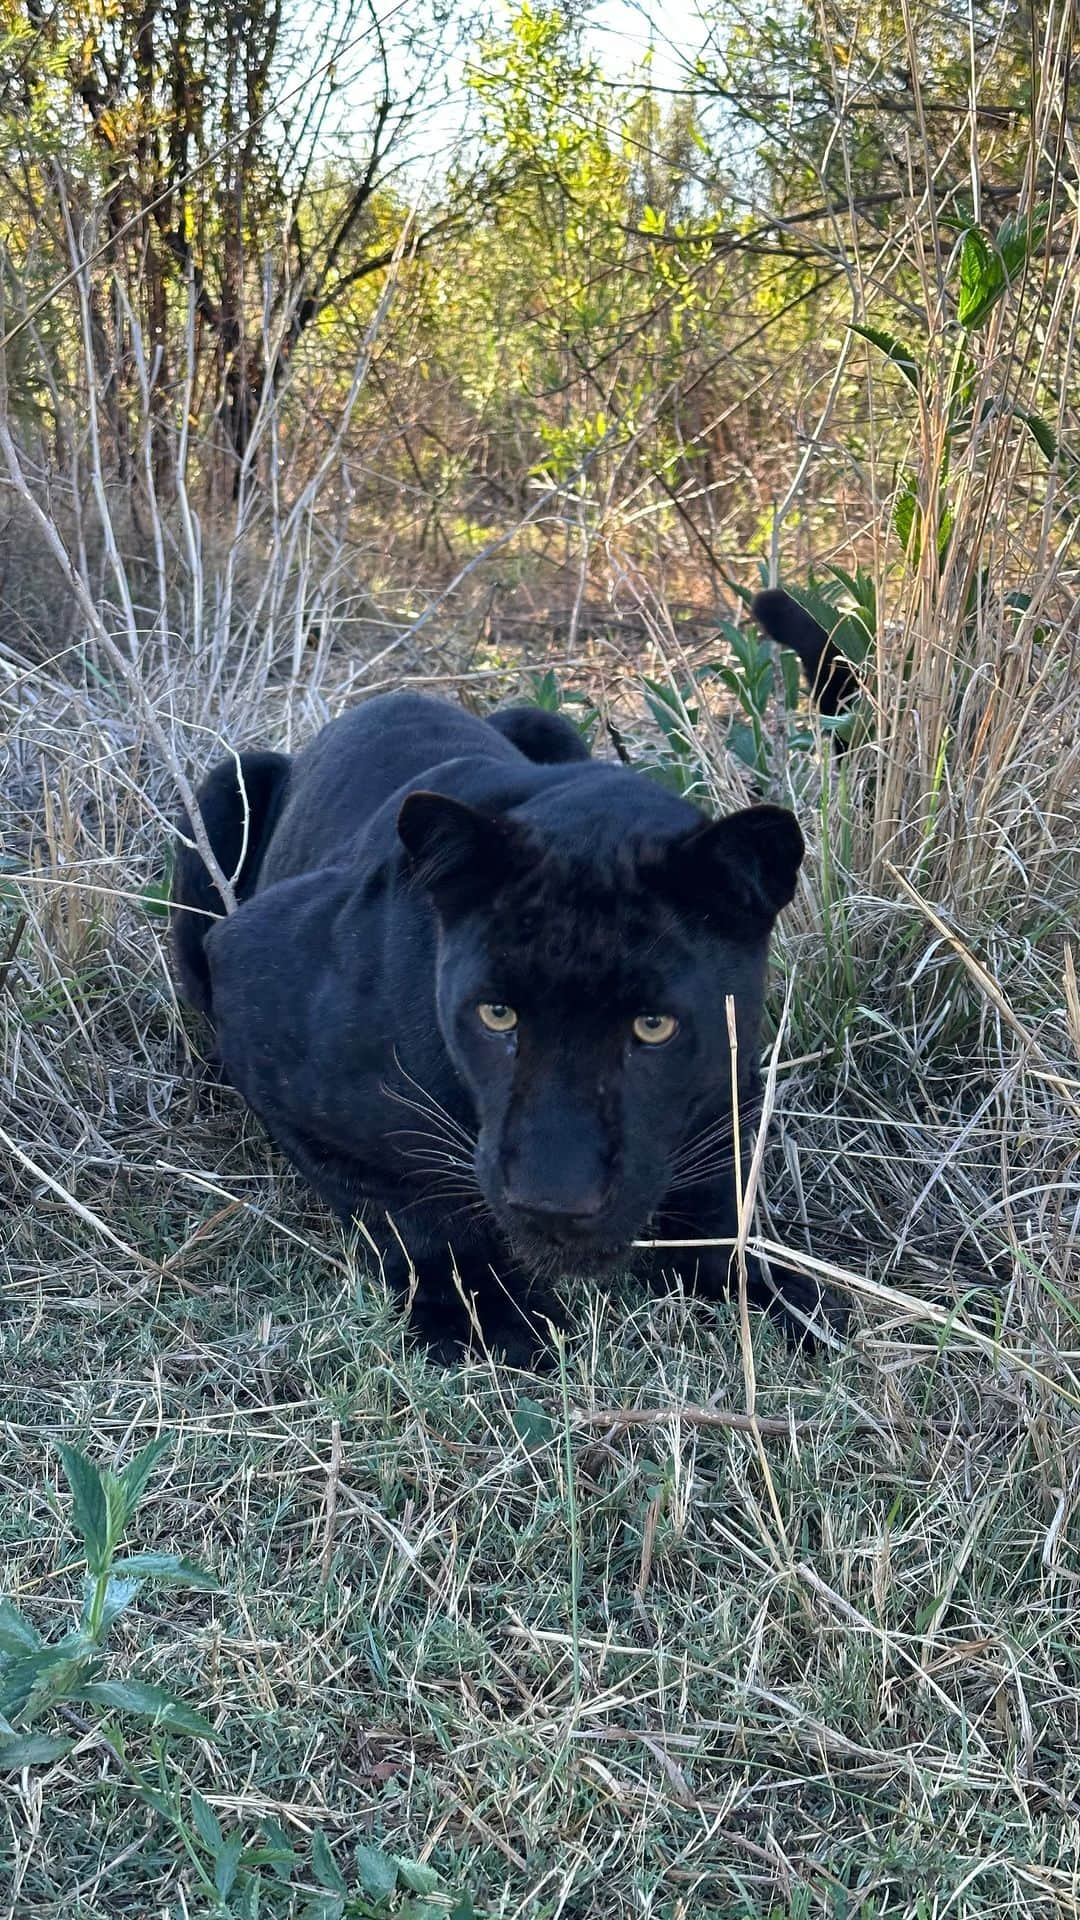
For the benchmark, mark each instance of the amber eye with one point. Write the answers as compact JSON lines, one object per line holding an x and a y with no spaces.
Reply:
{"x":496,"y":1017}
{"x":654,"y":1028}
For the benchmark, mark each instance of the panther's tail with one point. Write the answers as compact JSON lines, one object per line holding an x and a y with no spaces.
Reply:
{"x":829,"y":674}
{"x":542,"y":736}
{"x":240,"y":801}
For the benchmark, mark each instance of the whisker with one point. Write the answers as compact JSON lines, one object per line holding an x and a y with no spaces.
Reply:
{"x":437,"y":1132}
{"x":456,"y":1179}
{"x":437,"y":1155}
{"x":708,"y":1150}
{"x":703,"y":1177}
{"x":717,"y":1133}
{"x":427,"y":1103}
{"x":436,"y":1122}
{"x":703,"y":1143}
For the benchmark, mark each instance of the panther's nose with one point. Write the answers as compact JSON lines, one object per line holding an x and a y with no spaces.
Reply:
{"x":558,"y":1214}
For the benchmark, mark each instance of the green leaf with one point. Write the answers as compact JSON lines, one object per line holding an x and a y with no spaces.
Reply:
{"x":985,"y":274}
{"x":982,"y":279}
{"x":156,"y":899}
{"x":378,"y":1872}
{"x":906,"y":517}
{"x":206,"y":1823}
{"x":119,"y":1594}
{"x":863,"y":590}
{"x":39,"y":1679}
{"x":250,"y":1900}
{"x":133,"y":1478}
{"x":545,"y":690}
{"x":31,"y":1750}
{"x":16,"y":1634}
{"x":277,"y":1852}
{"x":324,"y":1866}
{"x":853,"y":637}
{"x":672,"y":709}
{"x":741,"y":742}
{"x":281,"y":1859}
{"x":1019,"y":235}
{"x":227,"y":1864}
{"x":531,"y":1424}
{"x":150,"y":1703}
{"x":789,"y":673}
{"x":1041,"y":432}
{"x":894,"y":350}
{"x":417,"y":1878}
{"x":160,"y":1803}
{"x":89,"y":1508}
{"x":325,"y":1906}
{"x":166,"y":1566}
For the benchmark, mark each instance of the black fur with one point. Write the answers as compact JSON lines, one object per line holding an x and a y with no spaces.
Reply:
{"x":829,"y":674}
{"x":415,"y":863}
{"x":240,"y":804}
{"x":547,"y":738}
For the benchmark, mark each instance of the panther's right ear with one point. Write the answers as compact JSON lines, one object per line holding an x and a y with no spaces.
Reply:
{"x":461,"y":855}
{"x":740,"y":871}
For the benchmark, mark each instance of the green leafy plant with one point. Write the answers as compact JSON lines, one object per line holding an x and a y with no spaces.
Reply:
{"x":42,"y":1674}
{"x":547,"y":692}
{"x":755,"y":672}
{"x":155,"y":897}
{"x":676,"y":762}
{"x":985,"y":267}
{"x":270,"y":1875}
{"x":44,"y":1677}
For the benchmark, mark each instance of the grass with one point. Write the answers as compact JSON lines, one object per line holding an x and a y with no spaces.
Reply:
{"x":573,"y":1643}
{"x":843,"y":1675}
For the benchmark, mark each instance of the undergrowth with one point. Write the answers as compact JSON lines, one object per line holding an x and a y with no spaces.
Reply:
{"x":296,"y":1622}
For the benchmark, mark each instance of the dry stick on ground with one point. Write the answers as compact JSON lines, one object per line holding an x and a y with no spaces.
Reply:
{"x":85,"y":1214}
{"x":1072,"y":998}
{"x":620,"y":1419}
{"x":333,"y":1483}
{"x":745,"y":1199}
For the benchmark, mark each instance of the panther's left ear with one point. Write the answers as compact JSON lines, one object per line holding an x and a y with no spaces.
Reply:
{"x":461,"y":855}
{"x":742,"y":869}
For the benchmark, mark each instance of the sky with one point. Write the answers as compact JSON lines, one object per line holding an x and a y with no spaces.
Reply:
{"x":619,"y":33}
{"x":622,"y":31}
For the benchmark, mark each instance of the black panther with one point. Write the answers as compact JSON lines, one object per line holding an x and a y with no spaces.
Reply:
{"x":477,"y":983}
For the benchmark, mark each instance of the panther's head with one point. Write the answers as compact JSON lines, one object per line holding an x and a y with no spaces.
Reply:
{"x":582,"y":988}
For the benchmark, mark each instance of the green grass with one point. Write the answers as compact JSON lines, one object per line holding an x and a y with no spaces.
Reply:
{"x":576,"y":1667}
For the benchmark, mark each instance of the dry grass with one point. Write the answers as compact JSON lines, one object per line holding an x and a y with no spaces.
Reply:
{"x":624,"y":1654}
{"x":657,"y":1666}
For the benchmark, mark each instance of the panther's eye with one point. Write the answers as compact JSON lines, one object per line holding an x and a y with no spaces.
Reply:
{"x":496,"y":1017}
{"x":654,"y":1028}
